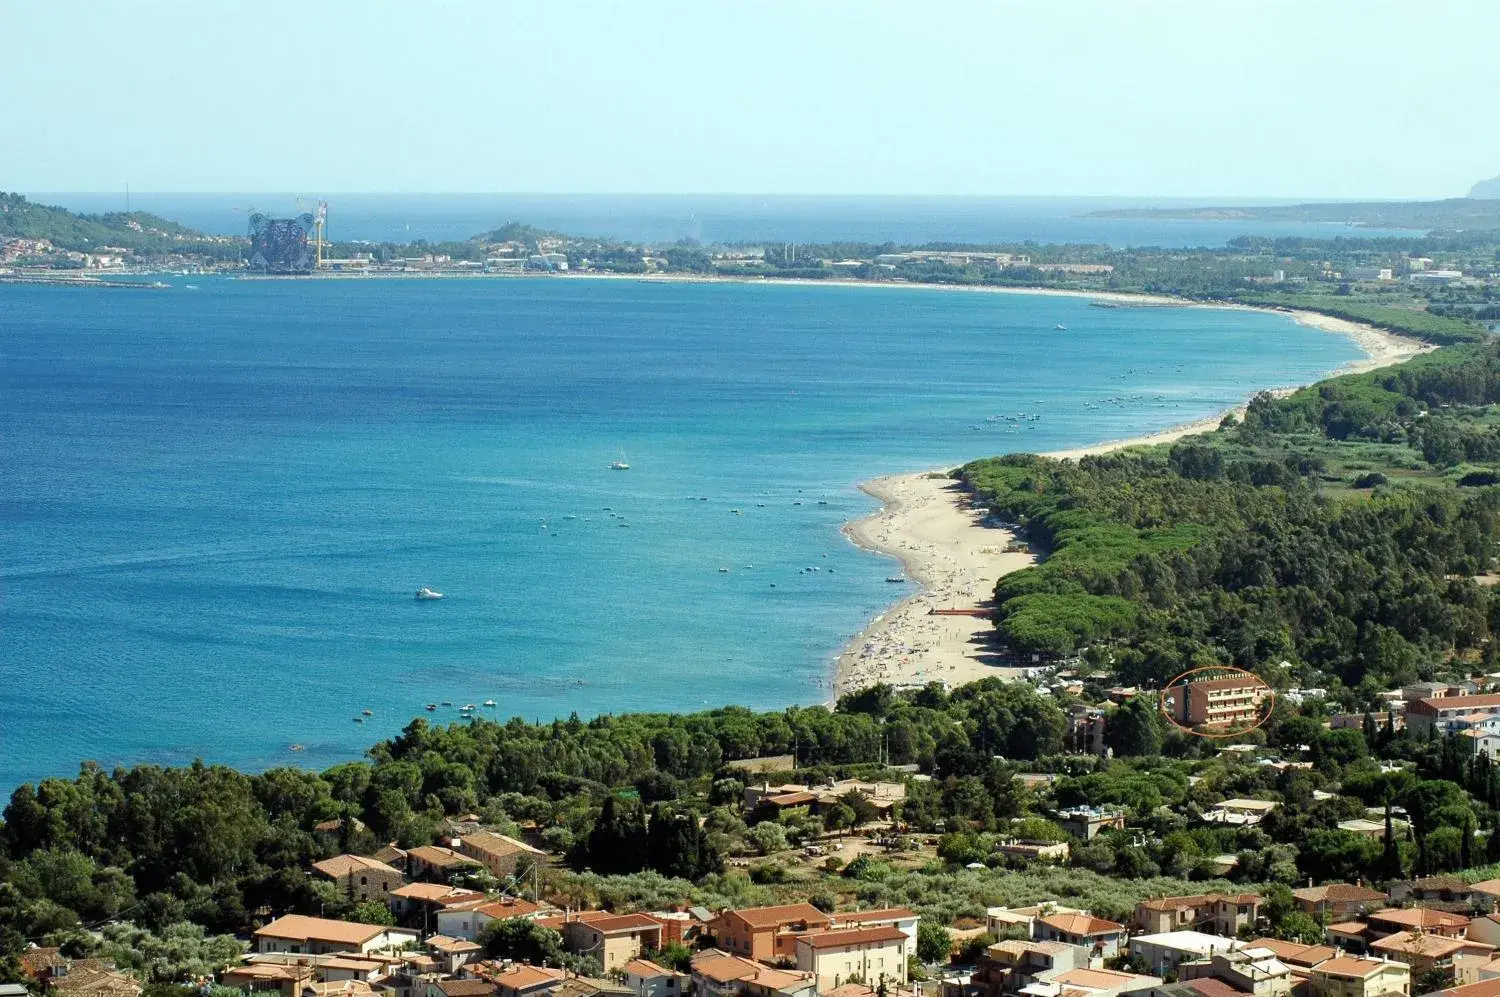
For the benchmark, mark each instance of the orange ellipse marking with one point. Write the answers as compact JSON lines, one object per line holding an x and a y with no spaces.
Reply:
{"x":1269,"y":702}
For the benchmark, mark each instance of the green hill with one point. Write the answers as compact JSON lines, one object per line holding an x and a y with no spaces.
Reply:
{"x":135,"y":230}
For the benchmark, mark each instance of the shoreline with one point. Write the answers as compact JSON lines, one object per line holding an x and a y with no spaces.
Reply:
{"x":955,"y":555}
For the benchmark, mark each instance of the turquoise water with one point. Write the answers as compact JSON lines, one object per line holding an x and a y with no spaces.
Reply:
{"x":217,"y":503}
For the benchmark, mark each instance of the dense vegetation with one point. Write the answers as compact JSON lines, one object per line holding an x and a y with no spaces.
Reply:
{"x":135,"y":230}
{"x":1265,"y":543}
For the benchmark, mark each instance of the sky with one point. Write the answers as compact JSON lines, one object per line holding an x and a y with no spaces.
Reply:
{"x":1199,"y":98}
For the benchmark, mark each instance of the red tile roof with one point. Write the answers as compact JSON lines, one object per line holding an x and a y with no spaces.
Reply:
{"x":775,"y":917}
{"x":1081,"y":924}
{"x":852,"y":936}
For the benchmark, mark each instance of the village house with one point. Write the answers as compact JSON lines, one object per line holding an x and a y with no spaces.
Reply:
{"x":466,"y":920}
{"x":358,"y":877}
{"x":1164,"y":952}
{"x":499,"y":854}
{"x":263,"y":978}
{"x":1423,"y":952}
{"x":1091,"y":983}
{"x":1294,"y":954}
{"x":1446,"y":714}
{"x":1349,"y":976}
{"x":297,"y":933}
{"x":452,"y":953}
{"x":1214,"y":913}
{"x":1010,"y":965}
{"x":646,"y":979}
{"x":1485,"y":929}
{"x":613,"y":939}
{"x":1046,"y":851}
{"x":902,"y":918}
{"x":1087,"y":822}
{"x":435,"y":863}
{"x":719,"y":974}
{"x":874,"y":955}
{"x":1248,"y":970}
{"x":1423,"y":919}
{"x":1338,"y":900}
{"x":766,"y":934}
{"x":75,"y":980}
{"x":1238,"y":812}
{"x":423,"y":901}
{"x":1099,"y":938}
{"x":518,"y":980}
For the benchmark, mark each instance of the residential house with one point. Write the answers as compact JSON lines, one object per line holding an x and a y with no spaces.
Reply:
{"x":421,"y":902}
{"x":1424,"y":717}
{"x":1294,"y":954}
{"x":262,"y":978}
{"x":1091,"y":983}
{"x":766,"y":934}
{"x":1485,"y":929}
{"x":1165,"y":951}
{"x":1350,"y":976}
{"x":1009,"y":966}
{"x":1238,"y":812}
{"x":467,"y":920}
{"x":647,"y":979}
{"x":873,"y":954}
{"x":437,"y":864}
{"x":1022,"y":920}
{"x":1248,"y":970}
{"x":460,"y":988}
{"x":1086,"y":729}
{"x":1213,"y":913}
{"x":89,"y":981}
{"x":452,"y":953}
{"x":719,"y":974}
{"x":359,"y":877}
{"x":1348,"y":936}
{"x":682,"y":926}
{"x":902,"y":918}
{"x":499,"y":854}
{"x":1422,"y":919}
{"x":613,"y":939}
{"x":1423,"y":952}
{"x":1419,"y":691}
{"x":1489,"y":987}
{"x":1101,"y":939}
{"x":1338,"y":900}
{"x":1047,"y":851}
{"x":298,"y":933}
{"x":521,"y":980}
{"x":1087,"y":822}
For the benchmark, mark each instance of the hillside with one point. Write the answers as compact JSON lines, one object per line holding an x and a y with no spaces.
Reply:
{"x":136,"y":230}
{"x":1486,"y":188}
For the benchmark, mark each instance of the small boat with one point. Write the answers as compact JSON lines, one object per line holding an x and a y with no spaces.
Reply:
{"x":297,"y":747}
{"x":895,"y":579}
{"x":431,"y":707}
{"x":489,"y":702}
{"x":621,"y":464}
{"x":736,"y":512}
{"x":359,"y":720}
{"x":723,"y":571}
{"x":470,"y":706}
{"x":425,"y":594}
{"x":447,"y":702}
{"x":369,"y":713}
{"x":1060,"y":327}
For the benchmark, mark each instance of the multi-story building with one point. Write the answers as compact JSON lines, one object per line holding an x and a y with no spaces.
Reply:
{"x":1446,"y":714}
{"x":359,"y":877}
{"x":1214,"y":913}
{"x":766,"y":934}
{"x":1348,"y":976}
{"x":1224,"y":702}
{"x":299,"y":934}
{"x":875,"y":955}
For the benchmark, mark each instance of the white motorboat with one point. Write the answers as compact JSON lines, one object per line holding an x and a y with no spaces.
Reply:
{"x":425,"y":594}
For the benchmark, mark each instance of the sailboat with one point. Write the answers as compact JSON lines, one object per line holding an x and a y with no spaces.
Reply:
{"x":621,"y":464}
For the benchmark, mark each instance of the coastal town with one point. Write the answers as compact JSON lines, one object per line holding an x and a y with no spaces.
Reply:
{"x":470,"y":915}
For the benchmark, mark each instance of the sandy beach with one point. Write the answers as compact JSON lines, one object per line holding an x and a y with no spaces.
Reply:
{"x":954,"y":553}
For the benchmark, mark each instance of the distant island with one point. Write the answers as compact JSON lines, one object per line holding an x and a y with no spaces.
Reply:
{"x":1480,"y":210}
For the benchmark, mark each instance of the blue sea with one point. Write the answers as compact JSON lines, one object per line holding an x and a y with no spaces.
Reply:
{"x":217,"y":501}
{"x":659,"y":218}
